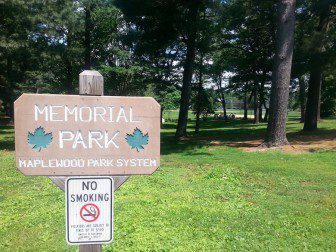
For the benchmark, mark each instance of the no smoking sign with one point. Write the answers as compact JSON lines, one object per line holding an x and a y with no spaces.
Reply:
{"x":89,"y":210}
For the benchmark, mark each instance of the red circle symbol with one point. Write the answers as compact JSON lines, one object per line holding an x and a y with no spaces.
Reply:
{"x":89,"y":212}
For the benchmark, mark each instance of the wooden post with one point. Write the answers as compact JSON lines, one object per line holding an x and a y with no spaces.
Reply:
{"x":90,"y":83}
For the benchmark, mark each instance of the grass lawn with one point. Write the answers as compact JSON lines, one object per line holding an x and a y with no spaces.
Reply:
{"x":204,"y":197}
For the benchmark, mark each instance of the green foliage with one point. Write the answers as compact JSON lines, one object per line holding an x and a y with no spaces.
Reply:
{"x":140,"y":47}
{"x":328,"y":98}
{"x":205,"y":101}
{"x":39,"y":139}
{"x":170,"y":98}
{"x":137,"y":140}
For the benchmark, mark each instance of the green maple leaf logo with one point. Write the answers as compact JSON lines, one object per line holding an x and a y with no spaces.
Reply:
{"x":137,"y":139}
{"x":39,"y":139}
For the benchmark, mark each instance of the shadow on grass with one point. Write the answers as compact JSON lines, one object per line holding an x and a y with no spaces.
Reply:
{"x":7,"y":138}
{"x":235,"y":133}
{"x":308,"y":136}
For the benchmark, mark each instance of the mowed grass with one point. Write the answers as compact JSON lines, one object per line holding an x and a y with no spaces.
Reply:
{"x":204,"y":197}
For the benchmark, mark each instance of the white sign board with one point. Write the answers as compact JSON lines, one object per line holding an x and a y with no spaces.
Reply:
{"x":89,"y":210}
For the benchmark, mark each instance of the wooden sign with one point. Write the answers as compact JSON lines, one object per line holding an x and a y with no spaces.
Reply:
{"x":86,"y":135}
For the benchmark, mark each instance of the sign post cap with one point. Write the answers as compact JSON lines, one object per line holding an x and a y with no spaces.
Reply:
{"x":90,"y":72}
{"x":91,"y":82}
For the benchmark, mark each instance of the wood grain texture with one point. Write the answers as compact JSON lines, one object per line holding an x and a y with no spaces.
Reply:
{"x":90,"y":248}
{"x":118,"y":181}
{"x":91,"y":83}
{"x":125,"y":159}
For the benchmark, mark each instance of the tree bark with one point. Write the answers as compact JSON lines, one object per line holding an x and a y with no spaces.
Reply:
{"x":266,"y":112}
{"x":276,"y":128}
{"x":245,"y":105}
{"x":222,"y":95}
{"x":68,"y":64}
{"x":181,"y":130}
{"x":315,"y":80}
{"x":262,"y":98}
{"x":260,"y":112}
{"x":9,"y":98}
{"x":256,"y":103}
{"x":302,"y":96}
{"x":161,"y":117}
{"x":199,"y":96}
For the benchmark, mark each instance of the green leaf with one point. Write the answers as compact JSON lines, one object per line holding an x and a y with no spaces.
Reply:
{"x":39,"y":139}
{"x":137,"y":139}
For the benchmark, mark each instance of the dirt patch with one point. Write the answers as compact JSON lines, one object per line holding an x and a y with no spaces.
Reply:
{"x":300,"y":145}
{"x":238,"y":144}
{"x":300,"y":142}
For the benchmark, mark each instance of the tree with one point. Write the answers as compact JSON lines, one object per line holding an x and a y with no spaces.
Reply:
{"x":302,"y":97}
{"x":247,"y":48}
{"x":323,"y":9}
{"x":202,"y":103}
{"x":163,"y":28}
{"x":15,"y":23}
{"x":276,"y":128}
{"x":191,"y":33}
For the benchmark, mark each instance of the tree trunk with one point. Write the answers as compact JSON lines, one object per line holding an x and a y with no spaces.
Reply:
{"x":302,"y":86}
{"x":245,"y":105}
{"x":266,"y":113}
{"x":87,"y":36}
{"x":68,"y":65}
{"x":319,"y":101}
{"x":9,"y":97}
{"x":276,"y":128}
{"x":262,"y":98}
{"x":256,"y":103}
{"x":315,"y":80}
{"x":313,"y":99}
{"x":199,"y":96}
{"x":181,"y":130}
{"x":69,"y":76}
{"x":222,"y":95}
{"x":161,"y":117}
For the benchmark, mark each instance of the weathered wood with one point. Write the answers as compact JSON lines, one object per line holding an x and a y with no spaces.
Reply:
{"x":86,"y":135}
{"x":91,"y":83}
{"x":118,"y":180}
{"x":90,"y":248}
